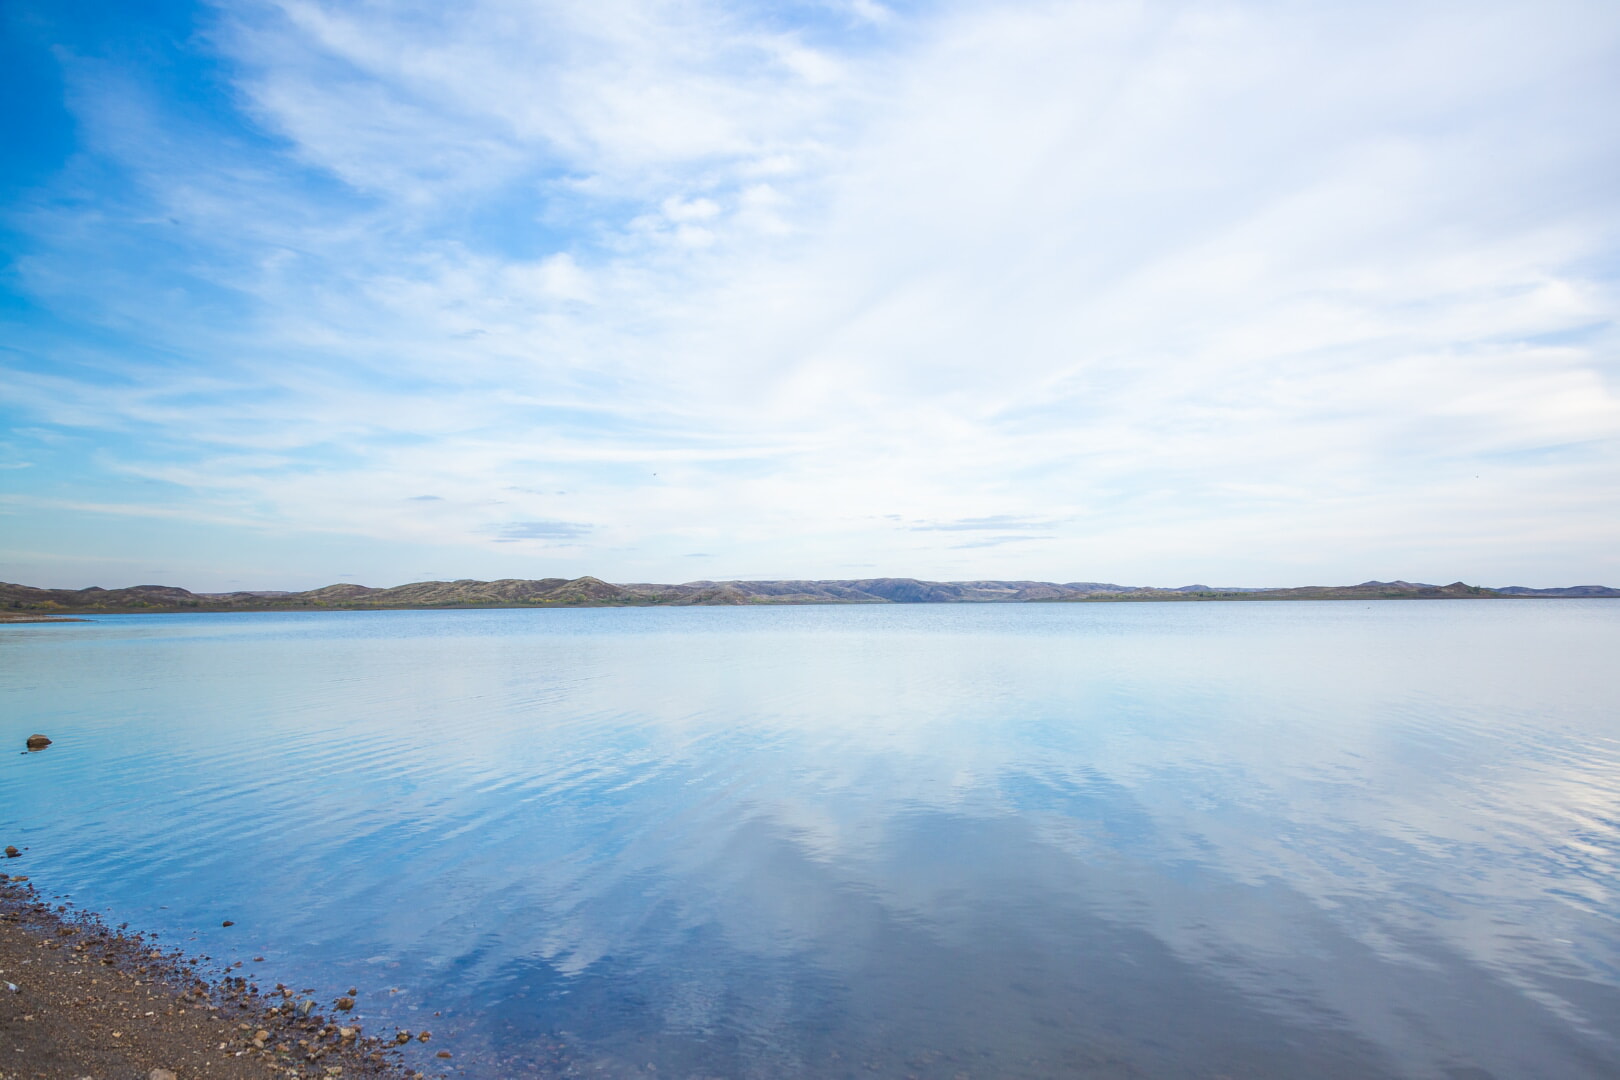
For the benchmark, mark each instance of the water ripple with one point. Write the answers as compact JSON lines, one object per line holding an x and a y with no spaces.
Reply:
{"x":1270,"y":840}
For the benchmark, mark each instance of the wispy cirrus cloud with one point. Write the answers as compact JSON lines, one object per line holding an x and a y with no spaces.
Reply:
{"x":1110,"y":277}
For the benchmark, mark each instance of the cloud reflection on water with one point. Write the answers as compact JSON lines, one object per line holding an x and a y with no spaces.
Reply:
{"x":1167,"y":840}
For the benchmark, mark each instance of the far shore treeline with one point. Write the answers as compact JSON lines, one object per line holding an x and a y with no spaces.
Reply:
{"x":594,"y":592}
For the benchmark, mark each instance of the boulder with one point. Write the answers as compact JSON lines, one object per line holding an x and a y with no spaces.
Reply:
{"x":38,"y":742}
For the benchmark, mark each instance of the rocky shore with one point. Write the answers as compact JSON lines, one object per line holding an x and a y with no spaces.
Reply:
{"x":79,"y":999}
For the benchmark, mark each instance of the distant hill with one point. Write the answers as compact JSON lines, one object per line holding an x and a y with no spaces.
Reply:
{"x":1573,"y":590}
{"x":594,"y":592}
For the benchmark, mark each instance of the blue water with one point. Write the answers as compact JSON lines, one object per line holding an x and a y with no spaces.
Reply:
{"x":1111,"y":840}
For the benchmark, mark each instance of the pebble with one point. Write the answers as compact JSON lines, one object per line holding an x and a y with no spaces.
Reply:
{"x":38,"y":742}
{"x":227,"y":922}
{"x":161,"y":1074}
{"x":444,"y":1053}
{"x":345,"y":1003}
{"x":11,"y":851}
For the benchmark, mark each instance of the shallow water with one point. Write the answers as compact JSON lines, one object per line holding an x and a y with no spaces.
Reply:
{"x":1112,"y":840}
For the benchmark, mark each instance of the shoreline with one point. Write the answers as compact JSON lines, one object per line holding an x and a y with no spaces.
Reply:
{"x":79,"y":998}
{"x":93,"y":614}
{"x":10,"y":618}
{"x":24,"y":601}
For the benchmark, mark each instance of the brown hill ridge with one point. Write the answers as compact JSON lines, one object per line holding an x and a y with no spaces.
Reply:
{"x":594,"y":592}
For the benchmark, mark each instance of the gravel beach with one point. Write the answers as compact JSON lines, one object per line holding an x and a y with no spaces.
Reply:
{"x":80,"y":1000}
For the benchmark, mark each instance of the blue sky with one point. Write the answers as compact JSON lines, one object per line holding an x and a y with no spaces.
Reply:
{"x":1240,"y":293}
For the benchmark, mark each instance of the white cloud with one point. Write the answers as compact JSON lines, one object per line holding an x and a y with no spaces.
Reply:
{"x":392,"y":97}
{"x":683,"y":210}
{"x":1226,"y":292}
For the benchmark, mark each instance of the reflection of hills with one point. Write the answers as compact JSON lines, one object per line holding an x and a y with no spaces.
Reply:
{"x":594,"y":592}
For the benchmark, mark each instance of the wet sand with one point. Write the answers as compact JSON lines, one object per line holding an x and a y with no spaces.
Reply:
{"x":80,"y":1000}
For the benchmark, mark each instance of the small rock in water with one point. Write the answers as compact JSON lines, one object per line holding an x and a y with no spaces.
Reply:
{"x":227,"y":922}
{"x":444,"y":1053}
{"x":345,"y":1003}
{"x":425,"y":1036}
{"x":161,"y":1074}
{"x":12,"y":852}
{"x":38,"y":742}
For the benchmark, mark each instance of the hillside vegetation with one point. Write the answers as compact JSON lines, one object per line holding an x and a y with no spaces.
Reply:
{"x":594,"y":592}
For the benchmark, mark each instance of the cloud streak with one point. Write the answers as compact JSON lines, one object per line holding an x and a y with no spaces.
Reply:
{"x":1001,"y":522}
{"x":511,"y":531}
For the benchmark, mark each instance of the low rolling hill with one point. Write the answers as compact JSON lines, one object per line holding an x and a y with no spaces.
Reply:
{"x":594,"y":592}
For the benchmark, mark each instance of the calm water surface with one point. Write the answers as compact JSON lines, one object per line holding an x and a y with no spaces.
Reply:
{"x":1127,"y":840}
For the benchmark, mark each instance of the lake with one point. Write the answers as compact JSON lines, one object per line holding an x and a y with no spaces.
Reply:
{"x":1113,"y":840}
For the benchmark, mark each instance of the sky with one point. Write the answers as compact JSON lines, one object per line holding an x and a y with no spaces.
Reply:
{"x":1259,"y":292}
